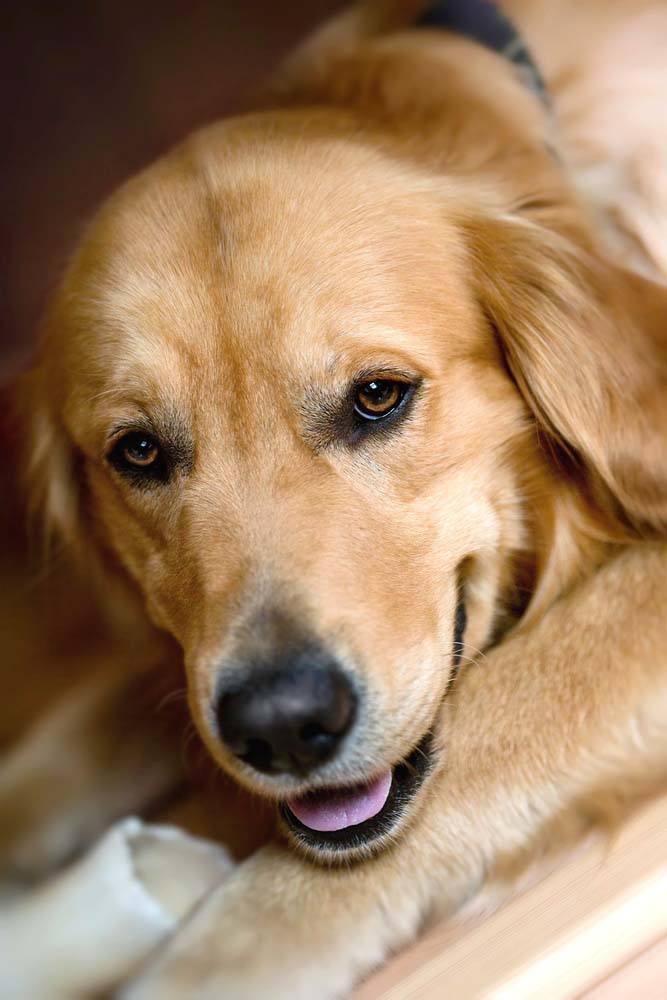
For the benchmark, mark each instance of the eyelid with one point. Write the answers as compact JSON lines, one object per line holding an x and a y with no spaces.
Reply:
{"x":129,"y":427}
{"x":381,"y":374}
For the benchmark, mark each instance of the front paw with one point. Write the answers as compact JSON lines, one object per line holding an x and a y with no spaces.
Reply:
{"x":211,"y":958}
{"x":283,"y":928}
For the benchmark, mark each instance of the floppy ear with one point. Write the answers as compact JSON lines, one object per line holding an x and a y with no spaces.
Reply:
{"x":586,"y":343}
{"x":48,"y":461}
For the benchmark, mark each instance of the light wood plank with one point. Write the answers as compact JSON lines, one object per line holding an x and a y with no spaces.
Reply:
{"x":592,"y":915}
{"x":644,"y":978}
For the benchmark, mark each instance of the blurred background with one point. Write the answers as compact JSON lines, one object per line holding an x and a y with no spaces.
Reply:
{"x":95,"y":90}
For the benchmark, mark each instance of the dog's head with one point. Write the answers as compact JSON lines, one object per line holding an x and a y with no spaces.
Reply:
{"x":305,"y":395}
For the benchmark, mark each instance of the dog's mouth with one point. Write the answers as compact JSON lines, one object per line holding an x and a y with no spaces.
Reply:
{"x":336,"y":820}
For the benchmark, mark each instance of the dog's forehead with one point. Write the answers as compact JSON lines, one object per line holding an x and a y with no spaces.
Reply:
{"x":276,"y":256}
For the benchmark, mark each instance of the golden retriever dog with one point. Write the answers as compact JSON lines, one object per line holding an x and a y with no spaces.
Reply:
{"x":361,"y":418}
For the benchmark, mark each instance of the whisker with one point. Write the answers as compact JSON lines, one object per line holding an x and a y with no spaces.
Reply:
{"x":179,"y":694}
{"x":479,"y":654}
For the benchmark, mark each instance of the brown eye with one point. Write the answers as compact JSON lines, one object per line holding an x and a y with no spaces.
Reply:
{"x":139,"y":450}
{"x":138,"y":454}
{"x":378,"y":398}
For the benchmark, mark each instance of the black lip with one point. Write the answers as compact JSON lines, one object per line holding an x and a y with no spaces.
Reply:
{"x":407,"y":778}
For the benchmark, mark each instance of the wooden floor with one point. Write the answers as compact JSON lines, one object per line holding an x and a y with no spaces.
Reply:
{"x":595,"y":929}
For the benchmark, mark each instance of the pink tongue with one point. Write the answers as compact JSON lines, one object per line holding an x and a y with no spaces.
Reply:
{"x":328,"y":811}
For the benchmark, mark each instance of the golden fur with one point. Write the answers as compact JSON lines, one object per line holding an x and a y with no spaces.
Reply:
{"x":399,"y":207}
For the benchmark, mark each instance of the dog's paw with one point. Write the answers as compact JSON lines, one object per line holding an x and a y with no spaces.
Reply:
{"x":234,"y":960}
{"x":283,"y":928}
{"x":191,"y":978}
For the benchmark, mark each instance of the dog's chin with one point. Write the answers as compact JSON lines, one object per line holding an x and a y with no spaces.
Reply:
{"x":340,"y":823}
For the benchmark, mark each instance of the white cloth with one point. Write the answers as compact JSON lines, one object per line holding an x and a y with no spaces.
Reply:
{"x":86,"y":929}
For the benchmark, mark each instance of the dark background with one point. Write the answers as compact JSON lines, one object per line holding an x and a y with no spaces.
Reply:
{"x":95,"y":90}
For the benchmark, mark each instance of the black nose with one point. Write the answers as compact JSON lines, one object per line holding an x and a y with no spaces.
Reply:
{"x":289,"y":719}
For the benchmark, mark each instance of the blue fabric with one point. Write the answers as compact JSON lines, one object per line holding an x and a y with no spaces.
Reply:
{"x":483,"y":22}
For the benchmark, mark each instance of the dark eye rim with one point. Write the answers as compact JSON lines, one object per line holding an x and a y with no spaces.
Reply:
{"x":156,"y":471}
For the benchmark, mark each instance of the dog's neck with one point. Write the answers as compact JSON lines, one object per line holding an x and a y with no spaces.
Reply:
{"x":482,"y":21}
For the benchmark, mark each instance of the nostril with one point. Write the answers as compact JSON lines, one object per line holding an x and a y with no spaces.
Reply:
{"x":258,"y":753}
